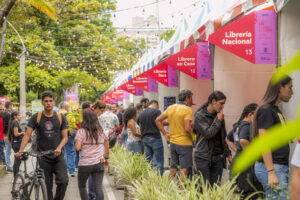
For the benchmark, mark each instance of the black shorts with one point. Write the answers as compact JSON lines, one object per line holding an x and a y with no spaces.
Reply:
{"x":181,"y":155}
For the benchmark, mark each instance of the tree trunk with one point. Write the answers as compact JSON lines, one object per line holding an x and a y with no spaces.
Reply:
{"x":2,"y":43}
{"x":6,"y":9}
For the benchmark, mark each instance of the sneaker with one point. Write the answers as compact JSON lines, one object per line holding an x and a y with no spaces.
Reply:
{"x":9,"y":171}
{"x":73,"y":175}
{"x":76,"y":169}
{"x":19,"y":181}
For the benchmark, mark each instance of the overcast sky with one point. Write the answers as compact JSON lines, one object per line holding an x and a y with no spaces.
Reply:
{"x":171,"y":12}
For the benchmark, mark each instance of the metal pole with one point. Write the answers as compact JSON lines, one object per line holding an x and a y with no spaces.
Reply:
{"x":22,"y":78}
{"x":22,"y":89}
{"x":158,"y":21}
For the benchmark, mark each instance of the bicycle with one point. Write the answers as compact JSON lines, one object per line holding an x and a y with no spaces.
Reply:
{"x":21,"y":188}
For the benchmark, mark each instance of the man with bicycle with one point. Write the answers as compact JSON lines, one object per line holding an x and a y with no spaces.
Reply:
{"x":51,"y":129}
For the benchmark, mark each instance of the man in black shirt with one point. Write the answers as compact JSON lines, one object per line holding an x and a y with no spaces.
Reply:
{"x":145,"y":102}
{"x":151,"y":137}
{"x":6,"y":118}
{"x":51,"y":130}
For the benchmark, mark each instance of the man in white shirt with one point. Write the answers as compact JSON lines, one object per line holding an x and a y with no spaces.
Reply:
{"x":109,"y":121}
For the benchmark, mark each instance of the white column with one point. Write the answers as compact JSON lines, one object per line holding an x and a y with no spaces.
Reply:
{"x":201,"y":89}
{"x":22,"y":89}
{"x":164,"y":91}
{"x":289,"y":44}
{"x":151,"y":96}
{"x":137,"y":99}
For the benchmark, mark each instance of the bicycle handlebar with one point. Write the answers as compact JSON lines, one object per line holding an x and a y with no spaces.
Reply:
{"x":38,"y":154}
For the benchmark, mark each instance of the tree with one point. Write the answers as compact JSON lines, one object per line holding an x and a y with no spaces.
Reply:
{"x":39,"y":4}
{"x":81,"y":48}
{"x":167,"y":35}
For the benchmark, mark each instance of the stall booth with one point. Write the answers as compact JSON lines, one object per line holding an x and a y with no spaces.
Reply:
{"x":245,"y":56}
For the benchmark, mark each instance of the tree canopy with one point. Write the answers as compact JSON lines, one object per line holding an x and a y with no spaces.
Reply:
{"x":81,"y":48}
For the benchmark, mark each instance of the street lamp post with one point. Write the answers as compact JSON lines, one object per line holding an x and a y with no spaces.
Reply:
{"x":22,"y":77}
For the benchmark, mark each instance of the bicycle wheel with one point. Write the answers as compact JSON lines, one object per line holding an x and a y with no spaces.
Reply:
{"x":18,"y":187}
{"x":39,"y":191}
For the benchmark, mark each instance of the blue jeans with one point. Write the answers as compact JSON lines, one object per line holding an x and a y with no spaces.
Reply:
{"x":77,"y":157}
{"x":8,"y":153}
{"x":97,"y":173}
{"x":70,"y":154}
{"x":135,"y":147}
{"x":91,"y":190}
{"x":2,"y":145}
{"x":282,"y":172}
{"x":125,"y":136}
{"x":154,"y":147}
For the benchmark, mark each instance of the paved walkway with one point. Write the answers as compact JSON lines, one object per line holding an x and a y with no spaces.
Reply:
{"x":110,"y":193}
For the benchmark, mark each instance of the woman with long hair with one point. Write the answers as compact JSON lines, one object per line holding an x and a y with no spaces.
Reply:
{"x":93,"y":143}
{"x":134,"y":142}
{"x":272,"y":171}
{"x":239,"y":137}
{"x":15,"y":136}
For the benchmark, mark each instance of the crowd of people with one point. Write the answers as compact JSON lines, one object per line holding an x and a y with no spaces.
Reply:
{"x":141,"y":129}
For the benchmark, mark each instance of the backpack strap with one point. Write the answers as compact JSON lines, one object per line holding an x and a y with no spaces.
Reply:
{"x":39,"y":116}
{"x":59,"y":118}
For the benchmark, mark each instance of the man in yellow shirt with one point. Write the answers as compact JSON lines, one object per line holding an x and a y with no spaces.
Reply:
{"x":180,"y":122}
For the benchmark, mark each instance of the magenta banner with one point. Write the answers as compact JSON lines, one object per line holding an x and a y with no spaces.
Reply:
{"x":204,"y":63}
{"x":164,"y":74}
{"x":265,"y":37}
{"x":172,"y":77}
{"x":194,"y":61}
{"x":126,"y":94}
{"x":251,"y":37}
{"x":153,"y":86}
{"x":139,"y":92}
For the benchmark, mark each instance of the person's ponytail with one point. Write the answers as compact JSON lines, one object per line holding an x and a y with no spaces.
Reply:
{"x":13,"y":115}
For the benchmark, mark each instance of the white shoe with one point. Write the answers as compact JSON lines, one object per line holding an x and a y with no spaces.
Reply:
{"x":19,"y":181}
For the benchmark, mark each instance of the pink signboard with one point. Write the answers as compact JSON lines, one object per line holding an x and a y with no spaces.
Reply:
{"x":131,"y":88}
{"x":204,"y":61}
{"x":194,"y":61}
{"x":164,"y":74}
{"x":252,"y":37}
{"x":126,"y":95}
{"x":139,"y":92}
{"x":265,"y":37}
{"x":152,"y":85}
{"x":145,"y":83}
{"x":119,"y":94}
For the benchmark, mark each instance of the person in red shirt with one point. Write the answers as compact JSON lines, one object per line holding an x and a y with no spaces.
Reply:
{"x":2,"y":144}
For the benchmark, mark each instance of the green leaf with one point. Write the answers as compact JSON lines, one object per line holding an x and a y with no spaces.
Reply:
{"x":45,"y":7}
{"x":291,"y":66}
{"x":275,"y":137}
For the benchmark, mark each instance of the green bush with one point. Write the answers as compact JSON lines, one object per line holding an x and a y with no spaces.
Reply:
{"x":143,"y":182}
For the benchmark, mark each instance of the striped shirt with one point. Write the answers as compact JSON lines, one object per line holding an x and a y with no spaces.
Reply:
{"x":91,"y":153}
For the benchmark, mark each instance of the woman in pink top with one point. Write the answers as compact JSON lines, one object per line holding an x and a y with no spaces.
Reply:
{"x":94,"y":147}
